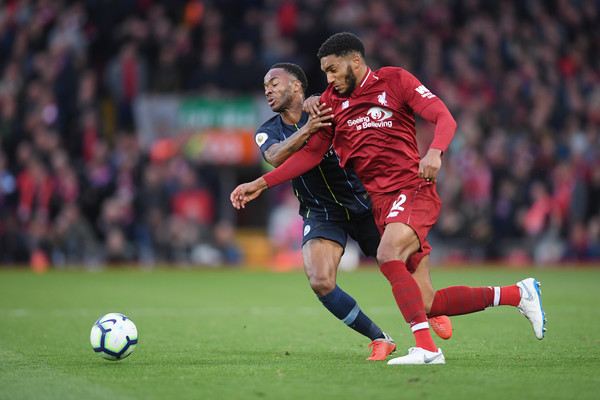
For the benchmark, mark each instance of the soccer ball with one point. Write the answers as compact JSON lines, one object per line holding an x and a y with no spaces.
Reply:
{"x":114,"y":336}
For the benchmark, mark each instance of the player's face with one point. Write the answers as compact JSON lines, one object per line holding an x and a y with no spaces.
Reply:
{"x":339,"y":74}
{"x":278,"y":89}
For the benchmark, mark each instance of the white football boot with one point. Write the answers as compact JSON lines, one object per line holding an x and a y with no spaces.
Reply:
{"x":531,"y":305}
{"x":419,"y":356}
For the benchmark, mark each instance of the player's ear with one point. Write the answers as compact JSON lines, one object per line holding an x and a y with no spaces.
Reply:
{"x":297,"y":85}
{"x":356,"y":60}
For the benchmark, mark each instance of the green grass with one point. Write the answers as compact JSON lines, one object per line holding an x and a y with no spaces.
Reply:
{"x":258,"y":335}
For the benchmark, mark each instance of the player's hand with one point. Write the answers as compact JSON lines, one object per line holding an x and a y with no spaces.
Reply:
{"x":430,"y":165}
{"x":247,"y":192}
{"x":311,"y":105}
{"x":322,"y":119}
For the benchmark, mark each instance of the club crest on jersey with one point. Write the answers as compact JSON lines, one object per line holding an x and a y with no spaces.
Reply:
{"x":381,"y":99}
{"x":345,"y":104}
{"x":261,"y":138}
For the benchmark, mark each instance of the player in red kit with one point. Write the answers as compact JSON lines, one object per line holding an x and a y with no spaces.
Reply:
{"x":373,"y":131}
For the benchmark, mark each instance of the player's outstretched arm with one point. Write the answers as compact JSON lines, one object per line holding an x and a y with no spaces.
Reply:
{"x":247,"y":192}
{"x":278,"y":153}
{"x":302,"y":161}
{"x":296,"y":165}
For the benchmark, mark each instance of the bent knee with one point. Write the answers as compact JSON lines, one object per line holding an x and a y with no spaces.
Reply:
{"x":321,"y":285}
{"x":390,"y":251}
{"x":387,"y":253}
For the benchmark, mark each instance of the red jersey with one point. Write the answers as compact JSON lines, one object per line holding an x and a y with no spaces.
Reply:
{"x":373,"y":131}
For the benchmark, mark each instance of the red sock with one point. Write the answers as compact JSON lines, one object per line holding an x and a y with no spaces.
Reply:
{"x":409,"y":300}
{"x":458,"y":300}
{"x":510,"y":296}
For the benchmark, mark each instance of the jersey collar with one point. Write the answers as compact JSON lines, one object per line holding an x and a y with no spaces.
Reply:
{"x":295,"y":127}
{"x":368,"y":78}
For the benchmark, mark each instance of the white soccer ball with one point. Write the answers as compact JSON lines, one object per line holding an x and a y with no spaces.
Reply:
{"x":114,"y":336}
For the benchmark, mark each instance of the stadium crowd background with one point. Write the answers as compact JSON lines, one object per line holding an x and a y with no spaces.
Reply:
{"x":520,"y":183}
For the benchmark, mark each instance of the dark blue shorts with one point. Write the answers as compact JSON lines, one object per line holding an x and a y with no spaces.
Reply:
{"x":363,"y":230}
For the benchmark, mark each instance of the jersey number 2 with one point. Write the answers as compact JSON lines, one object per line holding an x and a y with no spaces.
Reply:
{"x":397,"y":206}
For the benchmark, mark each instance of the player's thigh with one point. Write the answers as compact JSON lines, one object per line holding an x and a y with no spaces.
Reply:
{"x":407,"y":216}
{"x":321,"y":258}
{"x":322,"y":248}
{"x":398,"y":242}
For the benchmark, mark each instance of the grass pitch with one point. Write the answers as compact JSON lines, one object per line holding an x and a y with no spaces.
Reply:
{"x":257,"y":335}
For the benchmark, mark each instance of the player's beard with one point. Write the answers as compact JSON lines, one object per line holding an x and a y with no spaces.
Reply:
{"x":350,"y":80}
{"x":284,"y":104}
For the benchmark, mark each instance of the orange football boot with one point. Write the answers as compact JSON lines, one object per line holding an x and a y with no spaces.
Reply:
{"x":442,"y":326}
{"x":382,"y":348}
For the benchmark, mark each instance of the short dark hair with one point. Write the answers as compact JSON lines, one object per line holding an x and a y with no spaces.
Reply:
{"x":295,"y":71}
{"x":341,"y":44}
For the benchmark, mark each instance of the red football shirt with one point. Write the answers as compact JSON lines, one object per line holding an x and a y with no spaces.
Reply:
{"x":374,"y":132}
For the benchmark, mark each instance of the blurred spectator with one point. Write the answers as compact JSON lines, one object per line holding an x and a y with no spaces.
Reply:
{"x":117,"y":249}
{"x":191,"y":200}
{"x":225,"y":243}
{"x":522,"y":79}
{"x":243,"y":70}
{"x":151,"y":205}
{"x":583,"y":243}
{"x":73,"y":239}
{"x":36,"y":189}
{"x":10,"y":130}
{"x":183,"y":236}
{"x":65,"y":179}
{"x":126,"y":78}
{"x":284,"y":229}
{"x":99,"y":182}
{"x":167,"y":74}
{"x":207,"y":77}
{"x":8,"y":187}
{"x":537,"y":218}
{"x":593,"y":193}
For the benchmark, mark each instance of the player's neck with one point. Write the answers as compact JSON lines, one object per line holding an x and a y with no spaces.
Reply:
{"x":362,"y":72}
{"x":292,"y":114}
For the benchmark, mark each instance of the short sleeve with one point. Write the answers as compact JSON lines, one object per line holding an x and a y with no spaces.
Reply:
{"x":264,"y":138}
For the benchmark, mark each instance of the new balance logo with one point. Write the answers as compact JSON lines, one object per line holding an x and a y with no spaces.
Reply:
{"x":424,"y":92}
{"x":345,"y":104}
{"x":382,"y":100}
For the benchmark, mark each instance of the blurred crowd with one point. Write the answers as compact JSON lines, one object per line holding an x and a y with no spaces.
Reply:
{"x":521,"y":180}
